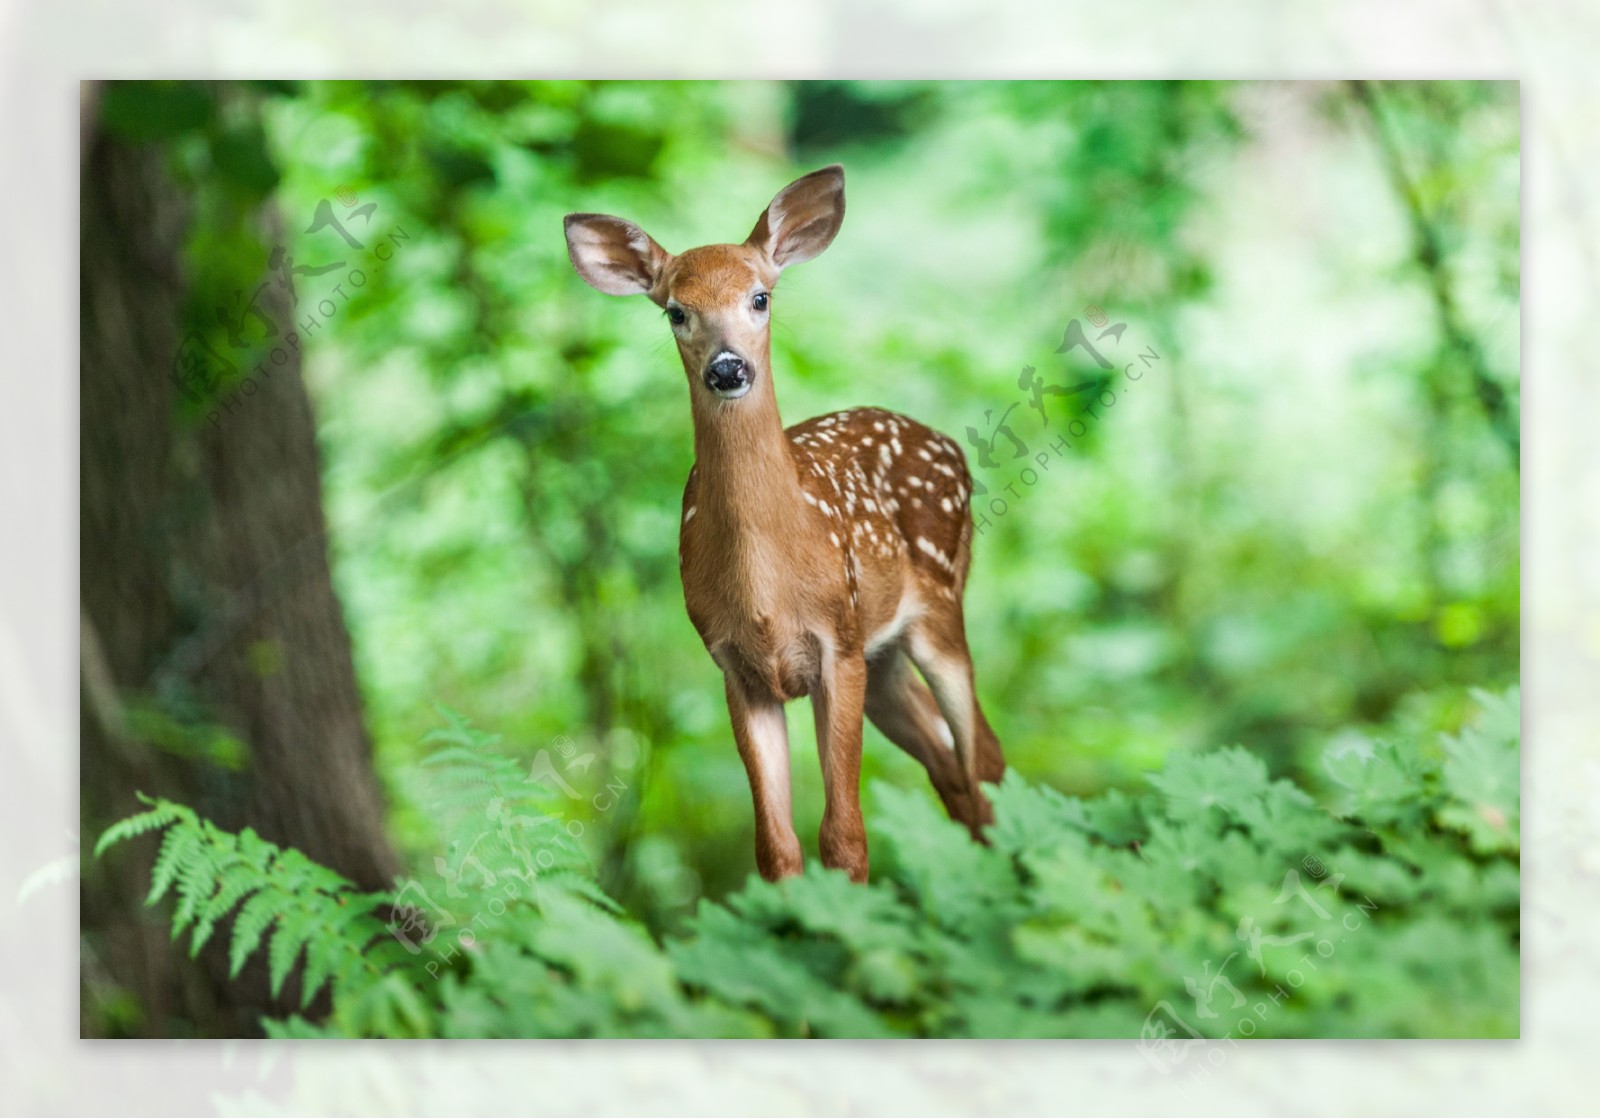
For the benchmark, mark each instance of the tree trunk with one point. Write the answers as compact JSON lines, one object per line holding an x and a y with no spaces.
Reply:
{"x":207,"y":597}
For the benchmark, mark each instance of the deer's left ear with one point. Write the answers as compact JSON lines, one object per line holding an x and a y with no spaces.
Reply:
{"x":803,"y":219}
{"x":615,"y":256}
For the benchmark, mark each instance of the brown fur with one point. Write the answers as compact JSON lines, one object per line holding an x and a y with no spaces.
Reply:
{"x":827,"y":559}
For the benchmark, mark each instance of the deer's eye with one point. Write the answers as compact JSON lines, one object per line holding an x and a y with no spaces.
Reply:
{"x":675,"y":316}
{"x":759,"y":301}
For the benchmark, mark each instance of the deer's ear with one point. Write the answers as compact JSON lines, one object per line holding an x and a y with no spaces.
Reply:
{"x":614,"y":256}
{"x":803,"y":219}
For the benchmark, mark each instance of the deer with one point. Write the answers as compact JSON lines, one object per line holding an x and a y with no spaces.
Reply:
{"x":827,"y":559}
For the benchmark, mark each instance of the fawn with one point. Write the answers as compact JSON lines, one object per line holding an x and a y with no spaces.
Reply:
{"x":825,"y":559}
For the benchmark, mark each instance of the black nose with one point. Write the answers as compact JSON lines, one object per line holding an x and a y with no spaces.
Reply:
{"x":727,"y":373}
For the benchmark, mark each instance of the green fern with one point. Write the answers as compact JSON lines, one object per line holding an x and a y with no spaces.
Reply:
{"x":1391,"y":911}
{"x":284,"y":901}
{"x":160,"y":815}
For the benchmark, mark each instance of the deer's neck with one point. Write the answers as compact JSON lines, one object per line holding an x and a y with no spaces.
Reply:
{"x":745,"y":471}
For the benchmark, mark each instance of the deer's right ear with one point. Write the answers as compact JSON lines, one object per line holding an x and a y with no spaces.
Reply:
{"x":615,"y":256}
{"x":804,"y":218}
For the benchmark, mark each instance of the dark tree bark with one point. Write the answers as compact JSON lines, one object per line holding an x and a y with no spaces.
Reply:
{"x":204,"y":575}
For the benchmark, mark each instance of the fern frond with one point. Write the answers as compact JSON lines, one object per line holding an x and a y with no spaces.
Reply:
{"x":294,"y":929}
{"x":178,"y":848}
{"x":255,"y":917}
{"x":234,"y":885}
{"x":336,"y":943}
{"x":161,"y":814}
{"x":198,"y":874}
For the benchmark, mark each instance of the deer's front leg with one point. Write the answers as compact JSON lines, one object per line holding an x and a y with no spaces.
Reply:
{"x":838,"y":706}
{"x":763,"y":739}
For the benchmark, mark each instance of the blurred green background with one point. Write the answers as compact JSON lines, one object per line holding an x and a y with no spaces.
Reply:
{"x":1302,"y":518}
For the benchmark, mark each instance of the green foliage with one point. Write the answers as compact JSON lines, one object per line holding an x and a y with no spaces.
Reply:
{"x":1291,"y":524}
{"x":1297,"y":527}
{"x":1221,"y":903}
{"x":279,"y":902}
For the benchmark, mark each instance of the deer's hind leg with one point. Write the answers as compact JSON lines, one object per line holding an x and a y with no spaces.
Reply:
{"x":937,"y":644}
{"x":901,"y":706}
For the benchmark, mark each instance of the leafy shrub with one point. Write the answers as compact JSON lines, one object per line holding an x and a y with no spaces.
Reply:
{"x":1220,"y":904}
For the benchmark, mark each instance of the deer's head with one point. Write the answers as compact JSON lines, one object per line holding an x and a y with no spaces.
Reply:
{"x":717,"y":298}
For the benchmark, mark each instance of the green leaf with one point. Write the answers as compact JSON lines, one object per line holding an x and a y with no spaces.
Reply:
{"x":745,"y":970}
{"x":294,"y":929}
{"x":255,"y":917}
{"x":1482,"y":774}
{"x":178,"y":847}
{"x":1229,"y":781}
{"x":159,"y":816}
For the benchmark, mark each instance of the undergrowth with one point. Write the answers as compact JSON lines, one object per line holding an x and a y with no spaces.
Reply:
{"x":1220,"y":903}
